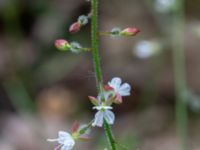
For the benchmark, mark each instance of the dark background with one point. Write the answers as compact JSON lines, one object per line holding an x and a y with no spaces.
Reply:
{"x":43,"y":90}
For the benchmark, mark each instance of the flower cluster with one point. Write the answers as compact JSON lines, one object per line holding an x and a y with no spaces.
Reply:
{"x":111,"y":93}
{"x":108,"y":94}
{"x":75,"y":47}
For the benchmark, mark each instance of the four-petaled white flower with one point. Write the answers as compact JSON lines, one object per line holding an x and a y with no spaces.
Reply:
{"x":65,"y":140}
{"x":119,"y":88}
{"x":103,"y":113}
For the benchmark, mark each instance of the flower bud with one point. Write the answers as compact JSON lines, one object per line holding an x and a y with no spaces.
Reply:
{"x":75,"y":27}
{"x":83,"y":20}
{"x":62,"y":45}
{"x":130,"y":31}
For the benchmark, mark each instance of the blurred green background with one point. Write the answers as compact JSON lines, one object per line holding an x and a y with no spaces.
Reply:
{"x":43,"y":90}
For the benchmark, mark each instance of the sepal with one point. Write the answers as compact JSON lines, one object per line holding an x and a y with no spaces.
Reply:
{"x":93,"y":100}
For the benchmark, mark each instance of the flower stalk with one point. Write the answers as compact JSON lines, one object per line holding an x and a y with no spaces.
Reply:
{"x":109,"y":135}
{"x":97,"y":67}
{"x":95,"y":51}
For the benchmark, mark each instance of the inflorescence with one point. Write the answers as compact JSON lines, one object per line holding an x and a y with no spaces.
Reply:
{"x":110,"y":93}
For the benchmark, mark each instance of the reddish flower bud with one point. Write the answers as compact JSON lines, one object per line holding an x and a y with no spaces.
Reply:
{"x":130,"y":31}
{"x":75,"y":27}
{"x":62,"y":44}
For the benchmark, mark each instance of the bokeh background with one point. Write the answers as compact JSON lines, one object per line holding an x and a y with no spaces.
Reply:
{"x":43,"y":90}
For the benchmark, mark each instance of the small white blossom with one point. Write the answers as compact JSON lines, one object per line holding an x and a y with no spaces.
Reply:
{"x":119,"y":88}
{"x":65,"y":140}
{"x":103,"y":113}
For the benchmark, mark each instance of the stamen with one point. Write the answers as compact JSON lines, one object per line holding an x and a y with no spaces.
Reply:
{"x":52,"y":140}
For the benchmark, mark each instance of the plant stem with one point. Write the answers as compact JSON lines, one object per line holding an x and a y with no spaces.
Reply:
{"x":109,"y":135}
{"x":97,"y":67}
{"x":180,"y":74}
{"x":96,"y":60}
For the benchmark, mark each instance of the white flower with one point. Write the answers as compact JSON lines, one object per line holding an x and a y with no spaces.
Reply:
{"x":103,"y":113}
{"x":65,"y":140}
{"x":121,"y":89}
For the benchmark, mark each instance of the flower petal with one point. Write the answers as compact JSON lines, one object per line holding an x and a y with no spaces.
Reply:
{"x":98,"y":120}
{"x":63,"y":134}
{"x":64,"y":137}
{"x":115,"y":83}
{"x":124,"y":90}
{"x":109,"y":116}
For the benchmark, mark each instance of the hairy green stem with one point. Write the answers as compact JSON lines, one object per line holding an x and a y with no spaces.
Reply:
{"x":97,"y":67}
{"x":109,"y":134}
{"x":180,"y":74}
{"x":96,"y":58}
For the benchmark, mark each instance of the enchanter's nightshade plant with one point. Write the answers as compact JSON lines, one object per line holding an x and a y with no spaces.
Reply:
{"x":108,"y":94}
